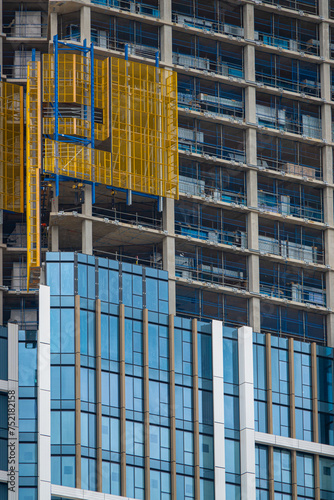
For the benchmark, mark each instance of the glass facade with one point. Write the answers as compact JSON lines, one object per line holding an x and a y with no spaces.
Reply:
{"x":136,"y":288}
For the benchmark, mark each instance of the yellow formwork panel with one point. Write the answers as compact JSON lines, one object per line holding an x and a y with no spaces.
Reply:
{"x":33,"y":160}
{"x":11,"y":147}
{"x":73,"y":78}
{"x":144,"y":128}
{"x":68,"y":126}
{"x":74,"y":87}
{"x":77,"y":161}
{"x":101,"y":97}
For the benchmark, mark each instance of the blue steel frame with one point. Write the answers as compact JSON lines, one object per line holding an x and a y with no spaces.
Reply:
{"x":62,"y":46}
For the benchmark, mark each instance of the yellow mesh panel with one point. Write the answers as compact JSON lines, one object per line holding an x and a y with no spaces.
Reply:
{"x":74,"y":87}
{"x":144,"y":128}
{"x":77,"y":161}
{"x":33,"y":151}
{"x":11,"y":147}
{"x":101,"y":97}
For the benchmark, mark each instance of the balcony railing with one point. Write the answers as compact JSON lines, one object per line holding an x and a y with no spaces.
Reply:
{"x":284,"y":204}
{"x":295,"y":292}
{"x":289,"y":249}
{"x":133,"y":7}
{"x":210,"y":270}
{"x":285,"y":119}
{"x":208,"y":65}
{"x":212,"y":105}
{"x":135,"y":218}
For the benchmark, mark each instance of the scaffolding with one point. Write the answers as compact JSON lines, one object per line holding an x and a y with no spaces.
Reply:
{"x":144,"y":128}
{"x":34,"y":153}
{"x":77,"y":161}
{"x":11,"y":147}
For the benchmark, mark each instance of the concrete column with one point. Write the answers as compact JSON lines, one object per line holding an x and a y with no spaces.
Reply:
{"x":85,"y":31}
{"x":54,"y":230}
{"x":13,"y":397}
{"x":44,"y":395}
{"x":53,"y":25}
{"x":166,"y":10}
{"x":248,"y":16}
{"x":87,"y":225}
{"x":323,"y":8}
{"x":166,"y":32}
{"x":246,"y":411}
{"x":168,"y":250}
{"x":218,"y":409}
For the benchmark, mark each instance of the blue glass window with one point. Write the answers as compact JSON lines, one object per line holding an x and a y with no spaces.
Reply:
{"x":282,"y":472}
{"x":305,"y":476}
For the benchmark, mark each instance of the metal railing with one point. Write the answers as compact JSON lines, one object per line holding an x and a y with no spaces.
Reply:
{"x":284,"y":204}
{"x":206,"y":269}
{"x":308,"y":252}
{"x":114,"y":215}
{"x":133,"y":7}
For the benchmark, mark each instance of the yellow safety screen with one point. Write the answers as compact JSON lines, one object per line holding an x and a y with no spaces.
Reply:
{"x":77,"y":161}
{"x":144,"y":128}
{"x":11,"y":147}
{"x":33,"y":171}
{"x":101,"y":99}
{"x":74,"y":87}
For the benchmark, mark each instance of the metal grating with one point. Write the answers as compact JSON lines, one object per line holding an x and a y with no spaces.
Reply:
{"x":77,"y":161}
{"x":33,"y":172}
{"x":144,"y":128}
{"x":11,"y":147}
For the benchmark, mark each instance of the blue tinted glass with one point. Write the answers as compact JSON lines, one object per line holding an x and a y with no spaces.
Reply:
{"x":53,"y":276}
{"x":82,"y":280}
{"x":67,"y":278}
{"x":127,"y":289}
{"x":67,"y":330}
{"x":55,"y":330}
{"x":103,"y":284}
{"x":113,"y":287}
{"x":152,"y":294}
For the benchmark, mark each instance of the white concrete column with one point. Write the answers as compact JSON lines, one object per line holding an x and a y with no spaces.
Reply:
{"x":44,"y":395}
{"x":85,"y":24}
{"x":13,"y":411}
{"x":168,"y":250}
{"x":166,"y":32}
{"x":218,"y":409}
{"x":87,"y":225}
{"x":53,"y":25}
{"x":246,"y":410}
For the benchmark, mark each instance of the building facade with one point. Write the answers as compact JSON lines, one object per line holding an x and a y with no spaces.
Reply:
{"x":248,"y":240}
{"x":114,"y":395}
{"x":166,"y":250}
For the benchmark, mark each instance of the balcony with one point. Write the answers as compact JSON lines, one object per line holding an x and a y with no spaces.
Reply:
{"x":284,"y":282}
{"x":207,"y":266}
{"x":211,"y":140}
{"x":285,"y":204}
{"x":211,"y":225}
{"x":289,"y":157}
{"x":24,"y":24}
{"x":149,"y":9}
{"x":287,"y":74}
